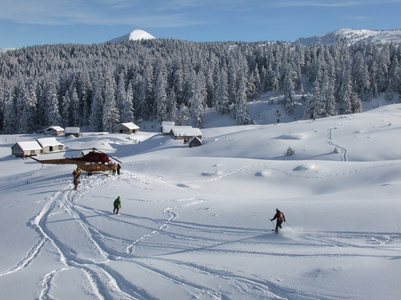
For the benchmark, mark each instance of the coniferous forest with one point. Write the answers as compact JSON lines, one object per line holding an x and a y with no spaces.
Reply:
{"x":97,"y":86}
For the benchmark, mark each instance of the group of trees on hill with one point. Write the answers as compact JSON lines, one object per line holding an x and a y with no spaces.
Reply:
{"x":98,"y":86}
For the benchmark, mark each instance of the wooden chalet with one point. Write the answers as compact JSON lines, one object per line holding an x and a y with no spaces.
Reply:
{"x":125,"y":128}
{"x":54,"y":130}
{"x":185,"y":132}
{"x":50,"y":145}
{"x":166,"y":126}
{"x":27,"y":148}
{"x":194,"y":142}
{"x":75,"y":131}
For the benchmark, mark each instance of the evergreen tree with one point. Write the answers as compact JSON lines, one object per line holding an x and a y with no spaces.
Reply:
{"x":240,"y":111}
{"x":127,"y":113}
{"x":197,"y":100}
{"x":289,"y":93}
{"x":161,"y":94}
{"x":10,"y":120}
{"x":172,"y":110}
{"x":345,"y":93}
{"x":52,"y":112}
{"x":221,"y":95}
{"x":27,"y":121}
{"x":111,"y":115}
{"x":96,"y":117}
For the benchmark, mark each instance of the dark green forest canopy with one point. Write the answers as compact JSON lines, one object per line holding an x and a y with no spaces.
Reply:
{"x":97,"y":86}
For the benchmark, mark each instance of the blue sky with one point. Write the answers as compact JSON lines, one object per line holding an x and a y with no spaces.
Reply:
{"x":37,"y":22}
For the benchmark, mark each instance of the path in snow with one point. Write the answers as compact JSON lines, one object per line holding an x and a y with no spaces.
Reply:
{"x":330,"y":138}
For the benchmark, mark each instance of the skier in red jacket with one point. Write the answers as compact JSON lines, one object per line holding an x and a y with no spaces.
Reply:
{"x":280,"y":219}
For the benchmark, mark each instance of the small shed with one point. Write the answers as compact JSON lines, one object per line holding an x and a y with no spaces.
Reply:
{"x":28,"y":148}
{"x":50,"y":145}
{"x":54,"y":130}
{"x":166,"y":126}
{"x":75,"y":131}
{"x":125,"y":128}
{"x":194,"y":142}
{"x":185,"y":132}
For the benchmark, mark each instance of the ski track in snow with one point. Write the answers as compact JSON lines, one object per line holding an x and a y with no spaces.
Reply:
{"x":105,"y":282}
{"x":330,"y":138}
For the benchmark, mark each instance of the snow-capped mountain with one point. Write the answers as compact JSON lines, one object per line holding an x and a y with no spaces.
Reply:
{"x":137,"y":34}
{"x":354,"y":36}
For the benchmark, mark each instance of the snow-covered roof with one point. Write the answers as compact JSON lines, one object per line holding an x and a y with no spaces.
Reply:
{"x":56,"y":128}
{"x":185,"y":131}
{"x":72,"y":129}
{"x":29,"y":145}
{"x":194,"y":138}
{"x":51,"y":141}
{"x":129,"y":125}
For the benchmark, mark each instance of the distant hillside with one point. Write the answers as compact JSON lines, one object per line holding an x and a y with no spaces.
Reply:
{"x":354,"y":36}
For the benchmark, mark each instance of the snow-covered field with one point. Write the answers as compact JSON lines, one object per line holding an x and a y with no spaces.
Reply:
{"x":194,"y":222}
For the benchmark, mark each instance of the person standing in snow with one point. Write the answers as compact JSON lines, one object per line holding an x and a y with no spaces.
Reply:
{"x":76,"y":174}
{"x":117,"y":205}
{"x":280,"y":219}
{"x":118,"y":169}
{"x":114,"y":168}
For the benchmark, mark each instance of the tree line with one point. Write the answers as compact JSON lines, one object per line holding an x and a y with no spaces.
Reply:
{"x":98,"y":86}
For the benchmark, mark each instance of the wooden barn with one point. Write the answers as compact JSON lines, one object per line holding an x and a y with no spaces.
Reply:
{"x":126,"y":128}
{"x":27,"y":148}
{"x":185,"y":132}
{"x":75,"y":131}
{"x":50,"y":145}
{"x":194,"y":142}
{"x":54,"y":130}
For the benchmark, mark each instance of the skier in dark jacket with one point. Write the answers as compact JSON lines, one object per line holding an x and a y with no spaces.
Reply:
{"x":280,"y":219}
{"x":117,"y":205}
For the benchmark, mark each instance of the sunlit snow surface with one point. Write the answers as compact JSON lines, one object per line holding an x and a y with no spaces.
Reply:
{"x":194,"y":222}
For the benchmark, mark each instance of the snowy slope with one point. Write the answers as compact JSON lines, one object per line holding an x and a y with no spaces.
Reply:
{"x":354,"y":36}
{"x":135,"y":35}
{"x":194,"y":222}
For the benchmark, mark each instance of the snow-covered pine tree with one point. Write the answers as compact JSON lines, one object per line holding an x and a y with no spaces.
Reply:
{"x":96,"y":117}
{"x":111,"y":116}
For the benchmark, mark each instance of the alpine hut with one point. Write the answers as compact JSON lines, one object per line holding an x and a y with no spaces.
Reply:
{"x":54,"y":130}
{"x":125,"y":128}
{"x":194,"y":142}
{"x":50,"y":145}
{"x":185,"y":132}
{"x":166,"y":127}
{"x":75,"y":131}
{"x":27,"y":148}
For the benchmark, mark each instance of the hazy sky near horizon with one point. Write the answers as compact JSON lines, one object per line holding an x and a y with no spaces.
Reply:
{"x":36,"y":22}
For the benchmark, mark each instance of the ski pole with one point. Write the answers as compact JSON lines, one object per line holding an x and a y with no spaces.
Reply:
{"x":289,"y":225}
{"x":272,"y":224}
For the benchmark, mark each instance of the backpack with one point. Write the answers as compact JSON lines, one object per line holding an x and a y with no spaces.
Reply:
{"x":281,"y":217}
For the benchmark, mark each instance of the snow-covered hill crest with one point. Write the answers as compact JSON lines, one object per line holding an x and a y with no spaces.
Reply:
{"x":354,"y":36}
{"x":137,"y":34}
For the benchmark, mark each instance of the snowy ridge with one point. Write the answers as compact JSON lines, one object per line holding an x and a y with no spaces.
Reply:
{"x":354,"y":36}
{"x":137,"y":34}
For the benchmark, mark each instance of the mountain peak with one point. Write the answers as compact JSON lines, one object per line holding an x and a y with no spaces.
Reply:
{"x":354,"y":36}
{"x":137,"y":34}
